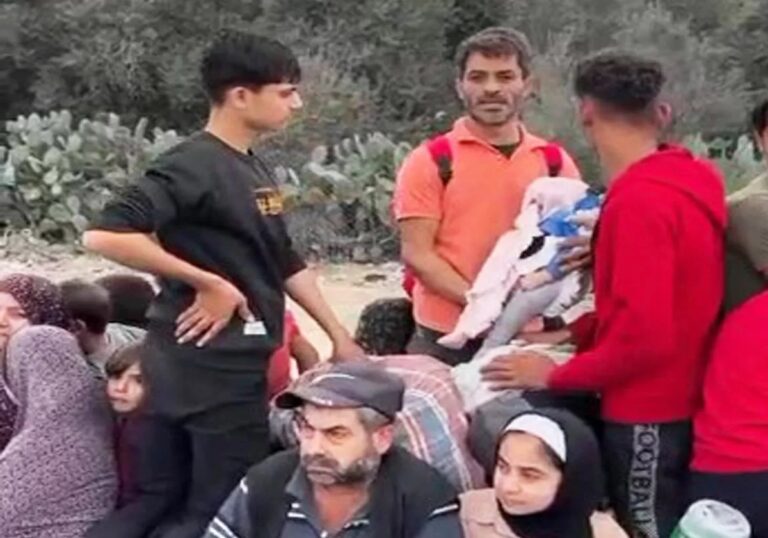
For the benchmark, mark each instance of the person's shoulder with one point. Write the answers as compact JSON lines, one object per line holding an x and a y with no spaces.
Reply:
{"x":750,"y":206}
{"x":753,"y":196}
{"x":536,"y":141}
{"x":279,"y":466}
{"x":567,"y":164}
{"x":479,"y":513}
{"x":192,"y":145}
{"x":416,"y":475}
{"x":192,"y":157}
{"x":477,"y":500}
{"x":418,"y":159}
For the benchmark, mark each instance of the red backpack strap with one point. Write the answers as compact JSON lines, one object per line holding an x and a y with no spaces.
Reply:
{"x":409,"y":281}
{"x":553,"y":156}
{"x":439,"y":149}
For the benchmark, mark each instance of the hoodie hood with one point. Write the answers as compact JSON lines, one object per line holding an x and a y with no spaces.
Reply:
{"x":676,"y":168}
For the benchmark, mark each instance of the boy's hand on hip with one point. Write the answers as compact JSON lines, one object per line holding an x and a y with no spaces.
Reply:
{"x":216,"y":301}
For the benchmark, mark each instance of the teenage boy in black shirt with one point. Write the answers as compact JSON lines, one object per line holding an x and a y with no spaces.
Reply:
{"x":206,"y":219}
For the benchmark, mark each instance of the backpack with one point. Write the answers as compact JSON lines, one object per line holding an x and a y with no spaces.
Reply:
{"x":439,"y":149}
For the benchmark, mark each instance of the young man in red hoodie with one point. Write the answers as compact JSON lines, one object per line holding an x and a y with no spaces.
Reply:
{"x":658,"y":255}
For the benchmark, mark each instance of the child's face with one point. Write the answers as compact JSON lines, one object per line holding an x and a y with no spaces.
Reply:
{"x":525,"y":480}
{"x":126,"y":391}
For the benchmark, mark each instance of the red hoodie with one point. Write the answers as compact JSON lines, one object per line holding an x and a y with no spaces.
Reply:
{"x":658,"y":287}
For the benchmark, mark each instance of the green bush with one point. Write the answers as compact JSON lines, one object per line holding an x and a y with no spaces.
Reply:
{"x":54,"y":175}
{"x":357,"y":176}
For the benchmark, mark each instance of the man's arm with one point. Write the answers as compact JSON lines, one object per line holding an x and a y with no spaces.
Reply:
{"x":216,"y":298}
{"x":417,"y":206}
{"x":302,"y":287}
{"x":418,"y":251}
{"x":141,"y":252}
{"x":443,"y":525}
{"x":124,"y":232}
{"x":233,"y":519}
{"x":304,"y":352}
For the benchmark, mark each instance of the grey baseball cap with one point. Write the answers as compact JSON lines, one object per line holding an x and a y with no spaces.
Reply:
{"x":355,"y":384}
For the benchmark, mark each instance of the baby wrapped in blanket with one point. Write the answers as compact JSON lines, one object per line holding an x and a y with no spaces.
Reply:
{"x":522,"y":278}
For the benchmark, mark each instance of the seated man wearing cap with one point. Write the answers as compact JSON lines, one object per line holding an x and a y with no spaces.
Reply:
{"x":346,"y":480}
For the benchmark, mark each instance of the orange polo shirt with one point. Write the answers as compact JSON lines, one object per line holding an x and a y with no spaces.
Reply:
{"x":480,"y":203}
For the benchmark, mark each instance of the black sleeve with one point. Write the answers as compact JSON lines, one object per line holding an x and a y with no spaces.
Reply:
{"x":164,"y":193}
{"x":292,"y":260}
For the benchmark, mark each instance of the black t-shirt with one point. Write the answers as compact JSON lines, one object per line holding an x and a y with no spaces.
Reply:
{"x":507,"y":149}
{"x":220,"y":210}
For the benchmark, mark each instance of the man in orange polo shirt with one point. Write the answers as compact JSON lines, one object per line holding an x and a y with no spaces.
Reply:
{"x":448,"y":229}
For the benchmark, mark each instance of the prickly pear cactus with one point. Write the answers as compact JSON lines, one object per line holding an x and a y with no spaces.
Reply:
{"x":55,"y":174}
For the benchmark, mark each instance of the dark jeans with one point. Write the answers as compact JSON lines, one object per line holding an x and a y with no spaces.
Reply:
{"x":647,"y":466}
{"x":424,"y":342}
{"x":746,"y":492}
{"x":183,"y":476}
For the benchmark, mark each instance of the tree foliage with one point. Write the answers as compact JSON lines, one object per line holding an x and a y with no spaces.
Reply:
{"x":371,"y":65}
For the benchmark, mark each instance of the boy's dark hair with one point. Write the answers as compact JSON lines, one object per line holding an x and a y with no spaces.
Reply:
{"x":385,"y":327}
{"x":626,"y":82}
{"x":759,"y":119}
{"x":242,"y":59}
{"x":123,"y":359}
{"x":495,"y":42}
{"x":130,"y":296}
{"x":88,"y":303}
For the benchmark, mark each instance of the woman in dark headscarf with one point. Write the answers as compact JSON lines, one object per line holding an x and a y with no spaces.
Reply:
{"x":57,"y":475}
{"x":24,"y":300}
{"x":548,"y":483}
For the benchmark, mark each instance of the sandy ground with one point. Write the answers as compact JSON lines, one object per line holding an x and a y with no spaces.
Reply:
{"x":347,"y":287}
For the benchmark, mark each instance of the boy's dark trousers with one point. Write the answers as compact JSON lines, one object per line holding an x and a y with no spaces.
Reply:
{"x":647,"y":467}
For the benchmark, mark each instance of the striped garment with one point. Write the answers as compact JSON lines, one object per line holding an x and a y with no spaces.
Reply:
{"x":432,"y":425}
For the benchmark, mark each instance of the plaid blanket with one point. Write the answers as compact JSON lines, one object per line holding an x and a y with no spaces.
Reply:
{"x":432,"y":425}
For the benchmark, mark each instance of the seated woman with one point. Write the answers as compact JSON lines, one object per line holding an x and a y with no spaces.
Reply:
{"x":25,"y":300}
{"x":548,"y":483}
{"x":57,"y":474}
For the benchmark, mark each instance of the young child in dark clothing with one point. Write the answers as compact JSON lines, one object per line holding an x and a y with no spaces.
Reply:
{"x":125,"y":389}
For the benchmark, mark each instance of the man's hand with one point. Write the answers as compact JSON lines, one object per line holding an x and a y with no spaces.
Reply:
{"x":536,"y":325}
{"x":345,"y":349}
{"x":216,"y":301}
{"x":525,"y":370}
{"x":580,"y":254}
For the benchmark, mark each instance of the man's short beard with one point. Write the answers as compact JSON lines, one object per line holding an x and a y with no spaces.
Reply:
{"x":326,"y":472}
{"x":513,"y":115}
{"x":481,"y":121}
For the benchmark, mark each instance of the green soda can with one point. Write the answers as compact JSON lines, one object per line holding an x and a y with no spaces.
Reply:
{"x":712,"y":519}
